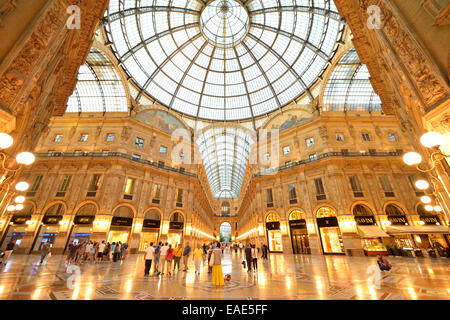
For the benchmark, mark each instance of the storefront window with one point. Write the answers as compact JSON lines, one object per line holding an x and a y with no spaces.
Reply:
{"x":330,"y":234}
{"x":274,"y":235}
{"x":150,"y":229}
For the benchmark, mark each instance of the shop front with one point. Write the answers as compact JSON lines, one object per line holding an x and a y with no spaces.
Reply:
{"x":150,"y":229}
{"x":81,"y":229}
{"x":398,"y":228}
{"x":15,"y":231}
{"x":48,"y":231}
{"x":299,"y":233}
{"x":274,"y":234}
{"x":121,"y":223}
{"x":330,"y":233}
{"x":371,"y":235}
{"x":176,"y":227}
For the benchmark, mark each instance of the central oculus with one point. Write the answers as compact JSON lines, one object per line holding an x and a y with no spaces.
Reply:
{"x":224,"y":23}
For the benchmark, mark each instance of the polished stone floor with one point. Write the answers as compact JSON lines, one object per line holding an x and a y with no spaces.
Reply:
{"x":282,"y":277}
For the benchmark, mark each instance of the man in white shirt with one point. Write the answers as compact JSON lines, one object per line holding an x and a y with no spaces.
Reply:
{"x":101,"y":248}
{"x":162,"y":257}
{"x":149,"y":255}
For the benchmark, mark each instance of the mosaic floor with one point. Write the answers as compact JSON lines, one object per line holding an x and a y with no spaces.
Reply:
{"x":282,"y":277}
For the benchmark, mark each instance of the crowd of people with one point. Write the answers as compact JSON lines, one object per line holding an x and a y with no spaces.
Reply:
{"x":80,"y":252}
{"x":166,"y":260}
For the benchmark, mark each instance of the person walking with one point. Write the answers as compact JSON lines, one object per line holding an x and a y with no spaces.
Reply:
{"x":177,"y":257}
{"x":125,"y":251}
{"x":149,"y":256}
{"x":216,"y":261}
{"x":9,"y":250}
{"x":240,"y":248}
{"x":72,"y":252}
{"x":169,"y":259}
{"x":198,"y":257}
{"x":248,"y":257}
{"x":157,"y":249}
{"x":45,"y":250}
{"x":186,"y":253}
{"x":117,"y":252}
{"x":264,"y":250}
{"x":255,"y":258}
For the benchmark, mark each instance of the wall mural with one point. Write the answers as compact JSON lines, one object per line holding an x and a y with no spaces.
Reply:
{"x":160,"y":120}
{"x":289,"y":119}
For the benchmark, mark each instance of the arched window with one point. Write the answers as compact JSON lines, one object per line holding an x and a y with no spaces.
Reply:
{"x":55,"y":210}
{"x":124,"y":212}
{"x":326,"y":212}
{"x":176,"y":217}
{"x":87,"y":210}
{"x":296,"y":215}
{"x":361,"y":210}
{"x":225,"y":208}
{"x":225,"y":232}
{"x":393,"y":210}
{"x":273,"y":217}
{"x":152,"y":215}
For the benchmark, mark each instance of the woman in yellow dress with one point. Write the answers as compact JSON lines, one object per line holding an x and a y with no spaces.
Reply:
{"x":216,"y":261}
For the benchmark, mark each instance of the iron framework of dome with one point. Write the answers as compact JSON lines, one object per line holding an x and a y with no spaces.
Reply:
{"x":223,"y":60}
{"x":349,"y":87}
{"x":99,"y":87}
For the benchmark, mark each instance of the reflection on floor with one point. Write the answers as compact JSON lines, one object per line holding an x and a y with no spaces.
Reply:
{"x":282,"y":277}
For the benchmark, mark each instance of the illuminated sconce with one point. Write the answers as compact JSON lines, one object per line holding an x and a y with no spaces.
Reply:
{"x":137,"y":227}
{"x":421,"y":223}
{"x":418,"y":239}
{"x":188,"y":228}
{"x":283,"y":227}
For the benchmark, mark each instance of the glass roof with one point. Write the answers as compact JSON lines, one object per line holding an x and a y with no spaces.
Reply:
{"x":223,"y":60}
{"x":225,"y":153}
{"x":349,"y":87}
{"x":99,"y":87}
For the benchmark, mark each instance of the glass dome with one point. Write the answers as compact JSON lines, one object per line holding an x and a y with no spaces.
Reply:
{"x":225,"y":59}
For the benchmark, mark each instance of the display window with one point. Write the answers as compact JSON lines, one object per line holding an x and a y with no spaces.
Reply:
{"x":148,"y":237}
{"x":299,"y":233}
{"x":47,"y":234}
{"x":174,"y":238}
{"x":116,"y":236}
{"x":14,"y":232}
{"x":275,"y":240}
{"x":332,"y":240}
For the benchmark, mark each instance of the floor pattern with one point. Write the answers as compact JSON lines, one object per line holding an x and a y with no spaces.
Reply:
{"x":283,"y":276}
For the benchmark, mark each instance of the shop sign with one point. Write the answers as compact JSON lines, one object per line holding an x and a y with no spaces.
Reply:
{"x":273,"y":225}
{"x":51,"y":219}
{"x":124,"y":222}
{"x":327,"y":222}
{"x":154,"y":224}
{"x":398,"y":220}
{"x":176,"y":225}
{"x":364,"y":220}
{"x":84,"y":219}
{"x":430,"y":219}
{"x":298,"y":224}
{"x":20,"y":219}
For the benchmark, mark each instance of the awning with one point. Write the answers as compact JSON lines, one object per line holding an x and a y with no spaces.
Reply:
{"x":417,"y":230}
{"x":371,"y":232}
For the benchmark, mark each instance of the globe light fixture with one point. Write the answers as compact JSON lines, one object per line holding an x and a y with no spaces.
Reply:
{"x":412,"y":158}
{"x":19,"y":207}
{"x":429,"y":208}
{"x":437,"y":208}
{"x":25,"y":158}
{"x":425,"y":199}
{"x":421,"y":223}
{"x":19,"y":199}
{"x":6,"y":141}
{"x":422,"y":184}
{"x":432,"y":139}
{"x":22,"y":186}
{"x":11,"y":208}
